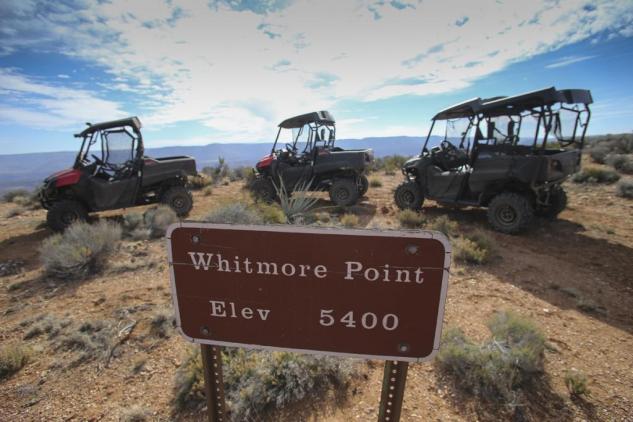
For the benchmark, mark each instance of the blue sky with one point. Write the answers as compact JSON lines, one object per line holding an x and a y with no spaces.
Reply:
{"x":198,"y":72}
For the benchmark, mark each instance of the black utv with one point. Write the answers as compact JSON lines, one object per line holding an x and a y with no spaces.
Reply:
{"x":509,"y":154}
{"x":309,"y":158}
{"x":111,"y":172}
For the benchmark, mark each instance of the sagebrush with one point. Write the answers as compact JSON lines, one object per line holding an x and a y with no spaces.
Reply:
{"x":410,"y":219}
{"x":595,"y":175}
{"x":82,"y":250}
{"x":13,"y":357}
{"x":502,"y":368}
{"x":624,"y":189}
{"x":234,"y":213}
{"x":259,"y":382}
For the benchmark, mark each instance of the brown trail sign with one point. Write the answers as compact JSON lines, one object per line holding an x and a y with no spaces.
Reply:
{"x":359,"y":293}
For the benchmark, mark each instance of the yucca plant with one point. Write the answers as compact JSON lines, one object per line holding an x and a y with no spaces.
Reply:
{"x":297,"y":203}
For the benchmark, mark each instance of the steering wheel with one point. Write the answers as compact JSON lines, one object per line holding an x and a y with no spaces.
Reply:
{"x":290,"y":147}
{"x":97,"y":159}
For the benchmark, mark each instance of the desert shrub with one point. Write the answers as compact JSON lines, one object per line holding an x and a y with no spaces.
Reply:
{"x":375,"y":182}
{"x":595,"y":175}
{"x":410,"y":219}
{"x":162,"y":323}
{"x":624,"y":189}
{"x":323,"y":217}
{"x":621,"y":162}
{"x":13,"y":357}
{"x":89,"y":341}
{"x":157,"y":220}
{"x":349,"y":220}
{"x":135,"y":413}
{"x":444,"y":225}
{"x":132,"y":221}
{"x":271,"y":213}
{"x":474,"y":248}
{"x":577,"y":383}
{"x":601,"y":146}
{"x":14,"y":212}
{"x":10,"y":196}
{"x":47,"y":324}
{"x":198,"y":181}
{"x":234,"y":213}
{"x":258,"y":382}
{"x":207,"y":191}
{"x":80,"y":251}
{"x":389,"y":164}
{"x":502,"y":367}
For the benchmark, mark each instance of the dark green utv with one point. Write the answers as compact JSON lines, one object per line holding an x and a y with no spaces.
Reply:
{"x":304,"y":155}
{"x":509,"y":154}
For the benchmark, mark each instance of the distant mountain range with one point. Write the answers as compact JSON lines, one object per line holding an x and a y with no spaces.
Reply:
{"x":28,"y":170}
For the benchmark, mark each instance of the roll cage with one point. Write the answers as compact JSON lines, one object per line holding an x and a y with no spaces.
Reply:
{"x":317,"y":129}
{"x":564,"y":113}
{"x":127,"y":129}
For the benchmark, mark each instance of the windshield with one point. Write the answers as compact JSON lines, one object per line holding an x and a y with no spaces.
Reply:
{"x":119,"y":146}
{"x":305,"y":138}
{"x":456,"y":131}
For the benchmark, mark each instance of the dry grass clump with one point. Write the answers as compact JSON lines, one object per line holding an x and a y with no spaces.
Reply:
{"x":474,"y":248}
{"x":135,"y":413}
{"x":444,"y":225}
{"x":624,"y":189}
{"x":10,"y":196}
{"x":271,"y":213}
{"x":157,"y":220}
{"x":14,"y":211}
{"x":375,"y":182}
{"x":13,"y":357}
{"x":90,"y":340}
{"x":621,"y":162}
{"x":259,"y":382}
{"x":410,"y":219}
{"x":198,"y":182}
{"x":81,"y":251}
{"x":234,"y":213}
{"x":600,"y":147}
{"x":577,"y":383}
{"x":503,"y":367}
{"x":350,"y":220}
{"x":162,"y":323}
{"x":207,"y":191}
{"x":595,"y":175}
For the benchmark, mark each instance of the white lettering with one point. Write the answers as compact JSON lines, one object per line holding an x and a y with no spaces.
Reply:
{"x":290,"y":268}
{"x":320,"y":271}
{"x":198,"y":260}
{"x":247,"y":313}
{"x":217,"y":308}
{"x":357,"y":267}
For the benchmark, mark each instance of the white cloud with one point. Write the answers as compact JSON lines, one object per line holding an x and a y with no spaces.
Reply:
{"x":567,"y":60}
{"x":49,"y":106}
{"x":241,"y":68}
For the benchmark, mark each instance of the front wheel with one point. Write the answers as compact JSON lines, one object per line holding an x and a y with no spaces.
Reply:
{"x":510,"y":212}
{"x":344,"y":192}
{"x":64,"y":213}
{"x":408,"y":196}
{"x":178,"y":199}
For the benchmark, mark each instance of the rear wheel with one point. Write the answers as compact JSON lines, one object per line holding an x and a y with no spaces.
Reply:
{"x":178,"y":199}
{"x":364,"y":185}
{"x":510,"y":212}
{"x":263,"y":190}
{"x":408,"y":196}
{"x":64,"y":213}
{"x":557,"y":203}
{"x":344,"y":192}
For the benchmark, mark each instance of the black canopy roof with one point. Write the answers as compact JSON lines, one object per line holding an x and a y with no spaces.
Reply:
{"x":134,"y":122}
{"x":314,"y":117}
{"x":516,"y":104}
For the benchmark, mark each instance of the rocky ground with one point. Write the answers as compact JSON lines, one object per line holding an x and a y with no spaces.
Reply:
{"x":573,"y":277}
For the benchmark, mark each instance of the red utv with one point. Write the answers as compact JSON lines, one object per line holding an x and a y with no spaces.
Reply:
{"x":111,"y":172}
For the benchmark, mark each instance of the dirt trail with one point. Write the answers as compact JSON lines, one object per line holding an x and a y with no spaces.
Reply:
{"x":573,"y":277}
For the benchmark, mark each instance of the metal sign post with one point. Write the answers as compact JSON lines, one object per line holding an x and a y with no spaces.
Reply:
{"x":213,"y":382}
{"x":393,"y":382}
